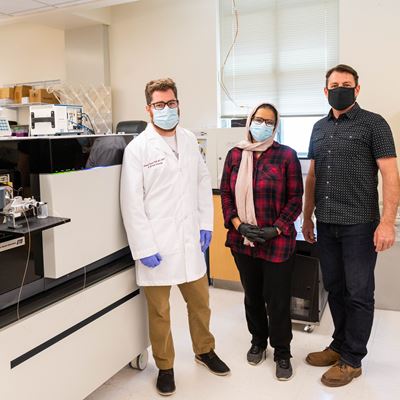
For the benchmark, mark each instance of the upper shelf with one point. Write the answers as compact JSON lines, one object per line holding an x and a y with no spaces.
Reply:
{"x":21,"y":105}
{"x":45,"y":84}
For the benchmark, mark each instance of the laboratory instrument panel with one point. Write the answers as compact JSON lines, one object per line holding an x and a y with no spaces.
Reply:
{"x":55,"y":119}
{"x":68,"y":295}
{"x":38,"y":170}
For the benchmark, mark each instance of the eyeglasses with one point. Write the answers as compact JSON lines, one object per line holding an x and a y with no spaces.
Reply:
{"x":160,"y":105}
{"x":268,"y":122}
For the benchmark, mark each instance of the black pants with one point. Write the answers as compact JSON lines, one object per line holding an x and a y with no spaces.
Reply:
{"x":348,"y":258}
{"x":267,"y":282}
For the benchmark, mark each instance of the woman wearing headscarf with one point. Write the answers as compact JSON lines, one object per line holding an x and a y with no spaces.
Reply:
{"x":261,"y":193}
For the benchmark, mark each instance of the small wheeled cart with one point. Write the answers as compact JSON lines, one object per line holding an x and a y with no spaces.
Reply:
{"x":308,"y":294}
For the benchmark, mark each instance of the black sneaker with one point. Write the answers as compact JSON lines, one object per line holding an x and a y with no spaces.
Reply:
{"x":213,"y":363}
{"x":166,"y":382}
{"x":284,"y":370}
{"x":256,"y":355}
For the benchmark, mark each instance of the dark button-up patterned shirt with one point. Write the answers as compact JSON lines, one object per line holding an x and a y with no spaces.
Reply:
{"x":277,"y":191}
{"x":345,"y":151}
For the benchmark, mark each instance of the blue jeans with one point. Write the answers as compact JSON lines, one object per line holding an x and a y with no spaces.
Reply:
{"x":347,"y":255}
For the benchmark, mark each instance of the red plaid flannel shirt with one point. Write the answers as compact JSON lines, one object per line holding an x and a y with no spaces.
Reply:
{"x":277,"y":191}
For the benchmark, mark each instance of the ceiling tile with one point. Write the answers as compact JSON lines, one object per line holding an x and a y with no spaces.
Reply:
{"x":65,"y":3}
{"x":35,"y":11}
{"x":19,"y":8}
{"x":15,"y":6}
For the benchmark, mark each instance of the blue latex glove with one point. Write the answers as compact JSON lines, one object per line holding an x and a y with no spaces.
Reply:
{"x":151,"y":261}
{"x":205,"y":239}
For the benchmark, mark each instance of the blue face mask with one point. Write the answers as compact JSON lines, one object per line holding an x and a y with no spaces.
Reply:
{"x":167,"y":118}
{"x":261,"y":132}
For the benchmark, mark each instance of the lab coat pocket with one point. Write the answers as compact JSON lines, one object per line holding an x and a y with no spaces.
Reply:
{"x":193,"y":228}
{"x":165,"y":235}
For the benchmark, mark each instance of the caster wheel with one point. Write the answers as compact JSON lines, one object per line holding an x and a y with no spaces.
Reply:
{"x":140,"y":362}
{"x":309,"y":328}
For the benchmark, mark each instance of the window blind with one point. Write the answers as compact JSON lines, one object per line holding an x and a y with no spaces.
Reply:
{"x":282,"y":52}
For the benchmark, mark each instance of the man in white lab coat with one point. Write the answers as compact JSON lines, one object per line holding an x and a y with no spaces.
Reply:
{"x":166,"y":203}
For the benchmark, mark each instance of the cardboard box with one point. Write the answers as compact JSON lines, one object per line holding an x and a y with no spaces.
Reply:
{"x":20,"y":92}
{"x":7,"y":93}
{"x":42,"y":96}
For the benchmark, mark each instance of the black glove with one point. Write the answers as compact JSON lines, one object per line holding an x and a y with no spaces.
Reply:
{"x":251,"y":232}
{"x":268,"y":233}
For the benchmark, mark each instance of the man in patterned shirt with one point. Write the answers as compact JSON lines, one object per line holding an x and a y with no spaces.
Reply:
{"x":347,"y":148}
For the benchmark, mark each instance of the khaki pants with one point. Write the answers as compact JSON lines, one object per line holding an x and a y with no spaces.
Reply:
{"x":197,"y":299}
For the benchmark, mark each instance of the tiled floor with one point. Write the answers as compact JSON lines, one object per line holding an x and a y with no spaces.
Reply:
{"x":380,"y":379}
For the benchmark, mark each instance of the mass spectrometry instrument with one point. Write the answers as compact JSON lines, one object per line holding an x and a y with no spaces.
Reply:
{"x":69,"y":302}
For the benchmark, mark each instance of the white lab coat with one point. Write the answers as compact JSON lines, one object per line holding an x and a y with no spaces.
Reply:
{"x":164,"y":203}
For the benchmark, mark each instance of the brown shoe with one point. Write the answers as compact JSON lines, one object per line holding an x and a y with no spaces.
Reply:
{"x":340,"y":374}
{"x":323,"y":358}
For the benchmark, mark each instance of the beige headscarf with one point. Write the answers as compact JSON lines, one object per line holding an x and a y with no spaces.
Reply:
{"x":244,"y":182}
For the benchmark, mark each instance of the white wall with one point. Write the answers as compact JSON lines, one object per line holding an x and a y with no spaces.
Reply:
{"x":152,"y":39}
{"x":87,"y":55}
{"x":177,"y":38}
{"x":31,"y":53}
{"x":369,"y":42}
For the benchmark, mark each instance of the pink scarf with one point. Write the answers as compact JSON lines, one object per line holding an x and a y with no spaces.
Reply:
{"x":244,"y":182}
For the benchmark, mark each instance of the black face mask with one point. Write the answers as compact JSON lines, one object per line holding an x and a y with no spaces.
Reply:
{"x":341,"y":97}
